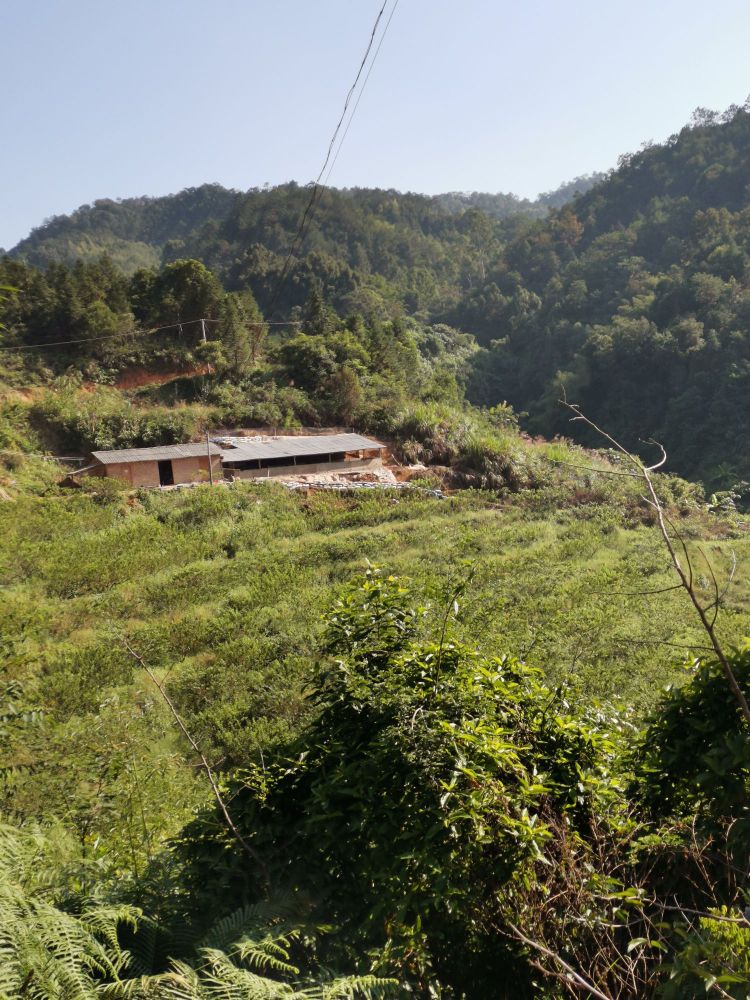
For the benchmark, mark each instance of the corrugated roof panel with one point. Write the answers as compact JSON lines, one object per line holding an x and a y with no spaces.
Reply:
{"x":289,"y":447}
{"x":158,"y":454}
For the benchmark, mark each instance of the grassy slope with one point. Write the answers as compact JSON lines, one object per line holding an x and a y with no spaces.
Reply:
{"x":221,"y":591}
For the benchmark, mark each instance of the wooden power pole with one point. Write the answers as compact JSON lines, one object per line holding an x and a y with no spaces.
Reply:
{"x":210,"y":467}
{"x":203,"y":337}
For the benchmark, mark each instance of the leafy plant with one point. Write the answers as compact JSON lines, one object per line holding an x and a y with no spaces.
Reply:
{"x":423,"y":793}
{"x":712,"y":959}
{"x":693,"y":762}
{"x":48,"y":952}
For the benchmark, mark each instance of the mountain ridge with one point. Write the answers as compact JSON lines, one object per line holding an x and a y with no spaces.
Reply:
{"x":134,"y":230}
{"x":633,"y":298}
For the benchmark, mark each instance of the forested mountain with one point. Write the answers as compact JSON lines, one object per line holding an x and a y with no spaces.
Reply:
{"x":132,"y":230}
{"x":500,"y":206}
{"x":635,"y":299}
{"x":135,"y":231}
{"x":634,"y":296}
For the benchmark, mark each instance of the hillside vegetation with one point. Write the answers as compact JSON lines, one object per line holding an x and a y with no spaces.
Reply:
{"x":257,"y":743}
{"x":631,"y":296}
{"x":135,"y":231}
{"x":222,"y":596}
{"x":634,"y":299}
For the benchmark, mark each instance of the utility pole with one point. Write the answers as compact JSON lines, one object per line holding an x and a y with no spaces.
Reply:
{"x":203,"y":335}
{"x":210,"y":467}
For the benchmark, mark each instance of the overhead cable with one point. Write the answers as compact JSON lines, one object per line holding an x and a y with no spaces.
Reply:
{"x":309,"y":209}
{"x":361,"y":91}
{"x":135,"y":333}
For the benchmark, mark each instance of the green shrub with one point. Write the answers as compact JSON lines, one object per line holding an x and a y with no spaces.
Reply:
{"x":712,"y":959}
{"x":693,"y":762}
{"x":420,"y":794}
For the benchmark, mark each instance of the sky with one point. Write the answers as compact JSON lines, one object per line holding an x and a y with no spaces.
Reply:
{"x":106,"y":99}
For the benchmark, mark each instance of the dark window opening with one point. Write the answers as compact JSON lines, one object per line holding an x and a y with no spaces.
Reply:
{"x":285,"y":461}
{"x":276,"y":463}
{"x":166,"y":473}
{"x":247,"y":463}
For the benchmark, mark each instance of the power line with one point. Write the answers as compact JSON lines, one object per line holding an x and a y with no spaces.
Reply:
{"x":134,"y":333}
{"x":178,"y":325}
{"x":262,"y":322}
{"x":361,"y":91}
{"x":307,"y":214}
{"x":106,"y":336}
{"x":91,"y":340}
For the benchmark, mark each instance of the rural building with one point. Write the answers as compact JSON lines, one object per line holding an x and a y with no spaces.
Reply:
{"x":300,"y":456}
{"x":167,"y":465}
{"x":236,"y":458}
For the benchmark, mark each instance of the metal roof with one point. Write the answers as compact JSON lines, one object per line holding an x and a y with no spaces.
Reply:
{"x":158,"y":454}
{"x":288,"y":447}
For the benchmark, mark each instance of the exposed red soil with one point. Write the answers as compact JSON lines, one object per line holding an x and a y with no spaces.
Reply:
{"x":134,"y":378}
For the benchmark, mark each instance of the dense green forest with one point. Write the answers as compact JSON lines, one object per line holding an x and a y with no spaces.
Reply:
{"x":135,"y":231}
{"x":631,"y":296}
{"x":483,"y":741}
{"x":634,"y":299}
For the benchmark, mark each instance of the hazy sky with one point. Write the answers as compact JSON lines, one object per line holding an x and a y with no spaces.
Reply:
{"x":112,"y":99}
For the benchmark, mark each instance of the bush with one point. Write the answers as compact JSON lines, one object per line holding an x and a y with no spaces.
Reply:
{"x":693,"y":762}
{"x":81,"y":421}
{"x":421,"y":799}
{"x":713,"y":958}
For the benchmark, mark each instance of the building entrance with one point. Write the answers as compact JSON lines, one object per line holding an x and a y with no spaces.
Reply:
{"x":166,"y":474}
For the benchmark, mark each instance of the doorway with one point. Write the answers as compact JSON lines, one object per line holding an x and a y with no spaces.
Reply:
{"x":166,"y":474}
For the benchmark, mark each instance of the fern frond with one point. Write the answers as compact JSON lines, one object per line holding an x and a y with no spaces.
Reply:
{"x":271,"y":952}
{"x":252,"y":919}
{"x":46,"y":952}
{"x":230,"y":928}
{"x":142,"y":953}
{"x":352,"y":988}
{"x":182,"y":982}
{"x":223,"y":980}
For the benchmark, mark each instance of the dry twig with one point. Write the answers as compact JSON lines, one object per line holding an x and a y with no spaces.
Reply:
{"x":569,"y":971}
{"x":246,"y":846}
{"x":684,"y":573}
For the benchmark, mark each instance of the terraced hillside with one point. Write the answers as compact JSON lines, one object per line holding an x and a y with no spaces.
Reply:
{"x":221,"y":592}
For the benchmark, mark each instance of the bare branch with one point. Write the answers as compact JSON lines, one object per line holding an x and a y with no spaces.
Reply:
{"x":569,"y":970}
{"x":591,"y":468}
{"x":686,"y":578}
{"x":683,"y":546}
{"x":248,"y":848}
{"x":573,"y":407}
{"x":662,"y":460}
{"x":702,"y":914}
{"x":717,"y":596}
{"x":635,"y":593}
